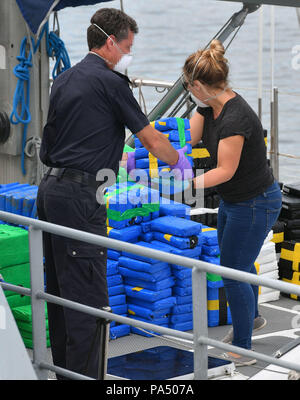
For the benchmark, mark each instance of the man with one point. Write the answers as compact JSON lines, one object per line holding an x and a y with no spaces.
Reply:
{"x":90,"y":105}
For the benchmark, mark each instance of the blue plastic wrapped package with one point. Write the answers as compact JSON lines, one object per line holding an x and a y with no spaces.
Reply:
{"x":156,"y":305}
{"x":182,"y":326}
{"x":11,"y":191}
{"x":144,"y":153}
{"x":143,"y":163}
{"x":8,"y":186}
{"x":119,"y":199}
{"x":113,"y":254}
{"x":183,"y":282}
{"x":115,"y":290}
{"x":147,"y":237}
{"x":181,"y":309}
{"x":112,"y":267}
{"x":34,"y":211}
{"x":180,"y":242}
{"x":211,"y":250}
{"x":17,"y":197}
{"x":141,"y":266}
{"x":218,"y":311}
{"x":184,"y":299}
{"x":119,"y":331}
{"x":191,"y":253}
{"x":129,"y":234}
{"x":167,"y":124}
{"x":147,"y":295}
{"x":159,"y":246}
{"x":145,"y":276}
{"x":210,"y":236}
{"x":137,"y":143}
{"x":117,"y":300}
{"x":173,"y":208}
{"x":164,"y":320}
{"x":119,"y":309}
{"x":125,"y":202}
{"x":28,"y":204}
{"x":114,"y":280}
{"x":182,"y":291}
{"x":176,"y":226}
{"x":177,"y":318}
{"x":182,"y":273}
{"x":210,"y":259}
{"x":15,"y":202}
{"x":172,"y":135}
{"x":147,"y":313}
{"x":153,"y":286}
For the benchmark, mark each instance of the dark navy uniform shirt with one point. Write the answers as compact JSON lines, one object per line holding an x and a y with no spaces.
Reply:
{"x":90,"y":105}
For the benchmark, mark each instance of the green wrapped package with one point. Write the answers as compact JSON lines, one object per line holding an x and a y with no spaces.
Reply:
{"x":24,"y":313}
{"x":26,"y":334}
{"x":23,"y":317}
{"x":14,"y":248}
{"x":16,"y":275}
{"x":17,"y":300}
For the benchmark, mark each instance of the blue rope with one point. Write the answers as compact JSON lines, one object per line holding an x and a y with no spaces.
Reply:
{"x":21,"y":112}
{"x":22,"y":96}
{"x":56,"y":48}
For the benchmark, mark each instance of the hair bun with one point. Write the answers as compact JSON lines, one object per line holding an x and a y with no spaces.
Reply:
{"x":217,"y":50}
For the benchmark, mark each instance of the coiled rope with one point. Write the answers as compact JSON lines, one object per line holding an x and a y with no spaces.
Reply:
{"x":21,"y":101}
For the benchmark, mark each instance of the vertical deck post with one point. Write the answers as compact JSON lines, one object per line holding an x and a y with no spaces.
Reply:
{"x":200,"y":323}
{"x":274,"y":149}
{"x":38,"y":305}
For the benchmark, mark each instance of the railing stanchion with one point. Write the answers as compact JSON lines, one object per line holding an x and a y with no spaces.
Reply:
{"x":37,"y":305}
{"x":200,"y":324}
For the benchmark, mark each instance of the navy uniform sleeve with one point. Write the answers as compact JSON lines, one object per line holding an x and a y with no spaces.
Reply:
{"x":127,"y":109}
{"x":234,"y":127}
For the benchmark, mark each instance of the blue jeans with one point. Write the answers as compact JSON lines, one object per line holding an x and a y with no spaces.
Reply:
{"x":242,"y":229}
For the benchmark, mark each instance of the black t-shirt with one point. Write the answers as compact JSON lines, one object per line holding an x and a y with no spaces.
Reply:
{"x":90,"y":105}
{"x":253,"y":174}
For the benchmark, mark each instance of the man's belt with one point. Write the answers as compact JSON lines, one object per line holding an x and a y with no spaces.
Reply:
{"x":75,"y":175}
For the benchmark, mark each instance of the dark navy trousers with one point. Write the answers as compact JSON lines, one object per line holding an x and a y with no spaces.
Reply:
{"x":75,"y":271}
{"x":242,"y":229}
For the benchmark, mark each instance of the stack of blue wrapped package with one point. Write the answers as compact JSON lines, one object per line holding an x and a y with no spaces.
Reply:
{"x":129,"y":203}
{"x":148,"y":286}
{"x":218,"y":312}
{"x":117,"y":298}
{"x":210,"y":250}
{"x":177,"y":130}
{"x":185,"y":240}
{"x":19,"y":199}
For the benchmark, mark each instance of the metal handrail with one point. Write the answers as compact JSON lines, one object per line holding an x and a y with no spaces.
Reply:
{"x":199,"y":270}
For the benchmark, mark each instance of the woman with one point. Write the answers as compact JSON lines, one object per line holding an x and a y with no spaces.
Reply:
{"x":250,"y":197}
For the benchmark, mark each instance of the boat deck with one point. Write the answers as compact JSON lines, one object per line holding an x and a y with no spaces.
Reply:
{"x":283,"y":327}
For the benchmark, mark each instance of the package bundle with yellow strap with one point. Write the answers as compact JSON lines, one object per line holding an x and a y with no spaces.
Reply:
{"x":289,"y":264}
{"x":177,"y":130}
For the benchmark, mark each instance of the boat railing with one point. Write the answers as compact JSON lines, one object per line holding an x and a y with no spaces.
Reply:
{"x":199,"y":338}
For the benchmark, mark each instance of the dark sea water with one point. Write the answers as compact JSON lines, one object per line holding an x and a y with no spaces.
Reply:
{"x":170,"y":30}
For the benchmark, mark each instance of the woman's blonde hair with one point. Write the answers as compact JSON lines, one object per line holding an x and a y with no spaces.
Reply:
{"x":207,"y":66}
